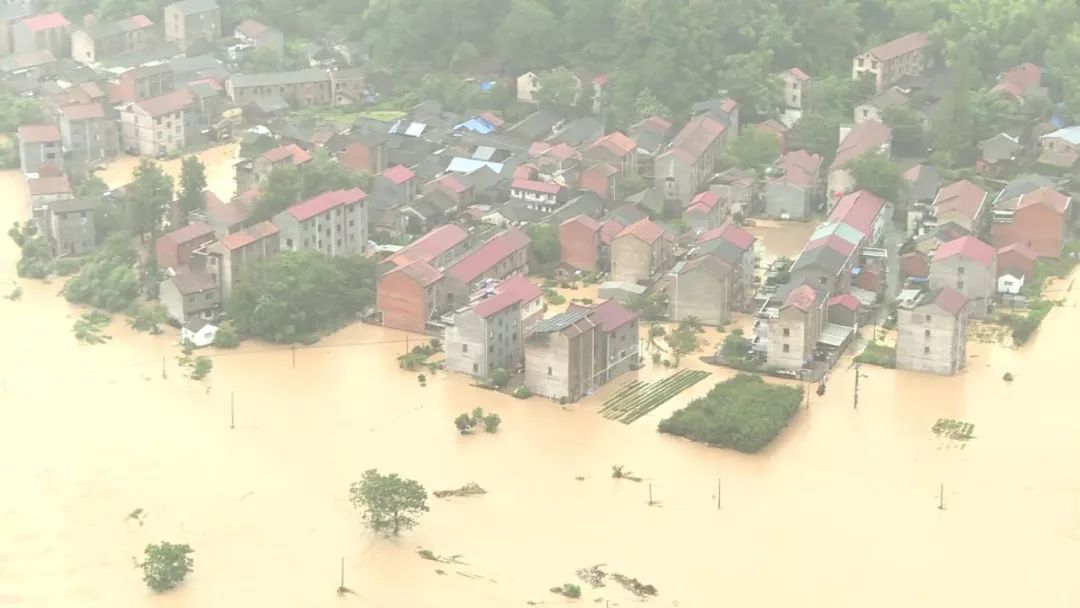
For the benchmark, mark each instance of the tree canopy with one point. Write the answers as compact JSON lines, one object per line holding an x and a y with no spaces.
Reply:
{"x":754,"y":149}
{"x":876,"y":173}
{"x":388,"y":503}
{"x":288,"y":185}
{"x":298,"y":296}
{"x":108,"y":279}
{"x":148,"y":197}
{"x":192,"y":185}
{"x":166,"y":565}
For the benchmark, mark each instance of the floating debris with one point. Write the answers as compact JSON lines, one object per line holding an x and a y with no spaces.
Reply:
{"x":469,"y":489}
{"x":634,"y":586}
{"x":617,"y":472}
{"x":594,"y":576}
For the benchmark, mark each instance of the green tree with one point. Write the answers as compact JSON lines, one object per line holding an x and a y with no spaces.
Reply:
{"x":524,"y":38}
{"x":388,"y":502}
{"x":93,"y":186}
{"x":907,"y":131}
{"x":280,"y":191}
{"x":35,"y":255}
{"x":108,"y":279}
{"x":226,"y":337}
{"x":682,"y":342}
{"x":648,"y":105}
{"x":876,"y":173}
{"x":754,"y":149}
{"x":545,"y":243}
{"x":148,"y":317}
{"x":259,"y":60}
{"x":148,"y":198}
{"x":165,"y":565}
{"x":557,"y":88}
{"x":750,"y":80}
{"x":297,"y":296}
{"x":192,"y":187}
{"x":464,"y":424}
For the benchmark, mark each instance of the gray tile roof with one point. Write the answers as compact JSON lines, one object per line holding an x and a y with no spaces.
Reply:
{"x":561,"y":321}
{"x":270,"y":79}
{"x":189,"y":7}
{"x":823,"y":257}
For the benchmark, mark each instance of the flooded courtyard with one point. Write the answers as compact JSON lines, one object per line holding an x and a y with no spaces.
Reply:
{"x":841,"y":511}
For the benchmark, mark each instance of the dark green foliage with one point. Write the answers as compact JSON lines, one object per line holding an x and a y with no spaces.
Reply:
{"x":876,"y":173}
{"x":192,"y":185}
{"x":107,"y":280}
{"x":522,"y":392}
{"x":226,"y":337}
{"x":298,"y":296}
{"x":201,"y":368}
{"x":744,"y":413}
{"x":89,"y":326}
{"x":682,"y":341}
{"x":735,"y":345}
{"x":879,"y":355}
{"x":35,"y":256}
{"x":500,"y":377}
{"x":491,"y":423}
{"x":147,"y":317}
{"x":754,"y":149}
{"x":16,"y":110}
{"x":545,"y":244}
{"x":464,"y":424}
{"x":165,"y":565}
{"x":1025,"y":326}
{"x":288,"y":185}
{"x":388,"y":502}
{"x":148,"y":198}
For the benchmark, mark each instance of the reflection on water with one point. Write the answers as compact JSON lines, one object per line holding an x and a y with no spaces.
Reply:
{"x":842,"y":509}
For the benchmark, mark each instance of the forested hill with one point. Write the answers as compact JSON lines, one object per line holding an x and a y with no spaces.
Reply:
{"x":680,"y":50}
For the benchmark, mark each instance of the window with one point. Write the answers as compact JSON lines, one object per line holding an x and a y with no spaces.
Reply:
{"x":865,"y":113}
{"x":549,"y":371}
{"x":475,"y":368}
{"x":927,"y":318}
{"x":787,"y":348}
{"x":926,"y":350}
{"x":794,"y":99}
{"x":861,"y":62}
{"x":959,"y":284}
{"x":926,"y":333}
{"x":823,"y":280}
{"x":351,"y":222}
{"x":464,"y":348}
{"x":960,"y":270}
{"x":787,"y":332}
{"x":209,"y":296}
{"x":288,"y":243}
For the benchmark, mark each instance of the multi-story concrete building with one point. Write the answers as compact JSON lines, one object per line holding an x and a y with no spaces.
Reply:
{"x":300,"y":88}
{"x":681,"y":169}
{"x":158,"y":125}
{"x":49,"y":32}
{"x":640,"y":251}
{"x":571,"y":354}
{"x":175,"y":248}
{"x":735,"y":247}
{"x":412,"y":295}
{"x":190,"y":296}
{"x":334,"y":223}
{"x":10,"y":13}
{"x":796,"y":192}
{"x":40,"y":145}
{"x":931,"y":331}
{"x":252,"y":34}
{"x":969,"y":266}
{"x":962,"y":203}
{"x":855,"y":142}
{"x":503,"y":255}
{"x":228,"y":259}
{"x":193,"y":22}
{"x":886,"y":63}
{"x":796,"y":88}
{"x":700,"y":288}
{"x":69,"y":226}
{"x":579,"y":241}
{"x":794,"y":331}
{"x":486,"y":336}
{"x":143,"y":82}
{"x":1038,"y":218}
{"x":98,"y":40}
{"x":44,"y":190}
{"x":90,"y":135}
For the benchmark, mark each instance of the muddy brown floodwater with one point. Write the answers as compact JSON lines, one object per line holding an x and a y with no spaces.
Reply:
{"x":841,"y":511}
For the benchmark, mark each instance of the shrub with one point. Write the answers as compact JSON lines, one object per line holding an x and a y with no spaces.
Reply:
{"x":67,"y":266}
{"x":165,"y":565}
{"x":201,"y":368}
{"x":491,"y":423}
{"x":744,"y":413}
{"x":226,"y":337}
{"x":735,"y":345}
{"x":464,"y":424}
{"x":1026,"y":326}
{"x":522,"y":392}
{"x":879,"y":355}
{"x":571,"y":590}
{"x":500,"y":377}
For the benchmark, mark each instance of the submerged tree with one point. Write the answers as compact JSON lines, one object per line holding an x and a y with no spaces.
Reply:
{"x":388,"y":503}
{"x":165,"y":565}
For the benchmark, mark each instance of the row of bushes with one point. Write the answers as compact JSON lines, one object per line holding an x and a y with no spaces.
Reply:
{"x":1024,"y":326}
{"x":879,"y":355}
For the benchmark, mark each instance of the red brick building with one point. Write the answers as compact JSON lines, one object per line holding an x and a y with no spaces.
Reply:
{"x":579,"y":241}
{"x":411,"y":295}
{"x":1017,"y":258}
{"x":600,"y":179}
{"x":174,"y":248}
{"x":1037,"y":219}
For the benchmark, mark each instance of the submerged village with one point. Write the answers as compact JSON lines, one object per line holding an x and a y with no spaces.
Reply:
{"x":710,"y":273}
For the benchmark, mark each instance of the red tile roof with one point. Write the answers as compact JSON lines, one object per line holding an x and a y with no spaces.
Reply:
{"x":800,"y":168}
{"x":900,"y":46}
{"x":165,"y":104}
{"x":535,"y":186}
{"x":49,"y":185}
{"x":832,"y":242}
{"x":798,"y":74}
{"x":1045,"y":196}
{"x":299,"y":155}
{"x":83,"y":111}
{"x":168,"y":243}
{"x":453,"y":184}
{"x":730,"y":233}
{"x":492,"y":119}
{"x":618,"y":144}
{"x":37,"y":134}
{"x":708,"y":199}
{"x":324,"y":202}
{"x":38,"y":23}
{"x":603,"y":169}
{"x":846,"y":300}
{"x":645,"y":230}
{"x":609,"y":315}
{"x":802,"y":297}
{"x":488,"y":255}
{"x":420,"y":271}
{"x":249,"y":235}
{"x":135,"y":22}
{"x":968,"y":247}
{"x":609,"y":230}
{"x":398,"y":174}
{"x":695,"y":138}
{"x":950,"y":300}
{"x":431,"y":245}
{"x":860,"y":210}
{"x":1019,"y":249}
{"x":520,"y":287}
{"x":496,"y":303}
{"x":963,"y":197}
{"x":251,"y":28}
{"x":585,"y":221}
{"x":1025,"y":76}
{"x":864,"y":137}
{"x":228,"y":214}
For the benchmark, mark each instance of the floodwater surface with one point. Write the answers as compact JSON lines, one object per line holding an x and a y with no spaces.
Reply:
{"x":843,"y":510}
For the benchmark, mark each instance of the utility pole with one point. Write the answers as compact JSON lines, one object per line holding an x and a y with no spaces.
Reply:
{"x":941,"y":498}
{"x":650,"y":495}
{"x":343,"y":573}
{"x":719,"y":488}
{"x":164,"y":375}
{"x":857,"y":374}
{"x":294,"y":356}
{"x":232,"y":410}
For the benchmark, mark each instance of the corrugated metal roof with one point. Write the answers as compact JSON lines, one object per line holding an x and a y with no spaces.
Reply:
{"x":561,"y":321}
